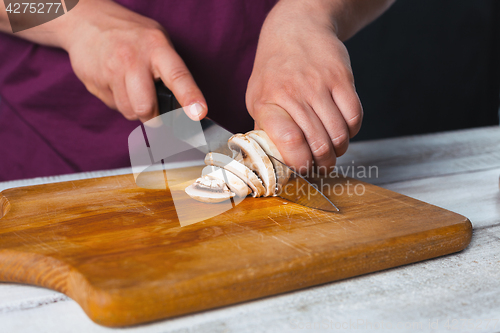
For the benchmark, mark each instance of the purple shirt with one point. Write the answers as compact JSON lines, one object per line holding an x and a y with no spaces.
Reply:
{"x":50,"y":124}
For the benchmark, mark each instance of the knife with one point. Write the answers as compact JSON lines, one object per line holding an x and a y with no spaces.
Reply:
{"x":297,"y":189}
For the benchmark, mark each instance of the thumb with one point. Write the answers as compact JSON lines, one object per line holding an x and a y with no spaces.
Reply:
{"x":176,"y":76}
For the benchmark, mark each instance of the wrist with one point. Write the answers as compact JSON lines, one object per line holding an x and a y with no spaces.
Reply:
{"x":344,"y":17}
{"x":53,"y":33}
{"x":72,"y":25}
{"x":321,"y":12}
{"x":62,"y":30}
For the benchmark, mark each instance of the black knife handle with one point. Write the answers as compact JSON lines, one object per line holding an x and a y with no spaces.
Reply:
{"x":166,"y":99}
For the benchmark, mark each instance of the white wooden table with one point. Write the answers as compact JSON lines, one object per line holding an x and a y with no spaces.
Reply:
{"x":457,"y":170}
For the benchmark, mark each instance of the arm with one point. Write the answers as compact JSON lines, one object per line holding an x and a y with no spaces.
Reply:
{"x":118,"y":54}
{"x":301,"y":91}
{"x":44,"y":34}
{"x":350,"y":16}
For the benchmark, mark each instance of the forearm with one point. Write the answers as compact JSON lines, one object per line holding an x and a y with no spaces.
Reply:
{"x":53,"y":33}
{"x":4,"y":20}
{"x":350,"y":16}
{"x":346,"y":17}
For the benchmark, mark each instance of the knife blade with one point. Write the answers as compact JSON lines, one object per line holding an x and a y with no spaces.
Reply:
{"x":297,"y":189}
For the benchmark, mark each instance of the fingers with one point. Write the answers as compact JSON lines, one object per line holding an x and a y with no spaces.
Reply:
{"x":104,"y":94}
{"x":135,"y":95}
{"x":119,"y":58}
{"x":122,"y":100}
{"x":286,"y":134}
{"x":178,"y":79}
{"x":316,"y":135}
{"x":303,"y":133}
{"x":142,"y":94}
{"x":333,"y":121}
{"x":325,"y":127}
{"x":345,"y":97}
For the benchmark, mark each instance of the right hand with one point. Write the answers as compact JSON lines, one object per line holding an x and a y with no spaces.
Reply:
{"x":118,"y":54}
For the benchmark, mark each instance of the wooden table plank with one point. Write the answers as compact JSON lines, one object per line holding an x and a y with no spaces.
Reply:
{"x":17,"y":297}
{"x":431,"y":155}
{"x":472,"y":194}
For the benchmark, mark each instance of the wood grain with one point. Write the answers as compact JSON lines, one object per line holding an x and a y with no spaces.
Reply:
{"x":120,"y":253}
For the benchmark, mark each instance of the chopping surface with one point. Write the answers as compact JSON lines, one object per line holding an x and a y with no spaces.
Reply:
{"x":119,"y":251}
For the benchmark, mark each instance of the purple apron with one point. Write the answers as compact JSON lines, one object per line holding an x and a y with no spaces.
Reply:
{"x":50,"y":124}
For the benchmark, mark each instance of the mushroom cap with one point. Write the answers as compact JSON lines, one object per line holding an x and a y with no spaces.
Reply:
{"x":235,"y":184}
{"x":209,"y":190}
{"x":282,"y":173}
{"x":247,"y":151}
{"x":238,"y":169}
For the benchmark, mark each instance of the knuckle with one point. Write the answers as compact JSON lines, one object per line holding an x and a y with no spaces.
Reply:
{"x":178,"y":74}
{"x":156,"y":38}
{"x":341,"y":140}
{"x":340,"y":143}
{"x":284,"y":94}
{"x":320,"y":149}
{"x":124,"y":56}
{"x":256,"y":108}
{"x":143,"y":110}
{"x":110,"y":104}
{"x":125,"y":53}
{"x":276,"y":93}
{"x":271,"y":92}
{"x":130,"y":116}
{"x":342,"y":76}
{"x":355,"y":121}
{"x":348,"y":75}
{"x":292,"y":138}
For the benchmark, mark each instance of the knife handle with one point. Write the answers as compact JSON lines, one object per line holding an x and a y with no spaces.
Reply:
{"x":166,"y":99}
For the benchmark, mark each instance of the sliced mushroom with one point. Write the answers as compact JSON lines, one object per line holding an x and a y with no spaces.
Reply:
{"x":247,"y":151}
{"x":282,"y":173}
{"x":235,"y":184}
{"x":237,"y":168}
{"x":209,"y":190}
{"x":249,"y":170}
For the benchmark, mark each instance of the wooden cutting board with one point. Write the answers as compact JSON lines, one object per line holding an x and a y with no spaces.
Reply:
{"x":119,"y":251}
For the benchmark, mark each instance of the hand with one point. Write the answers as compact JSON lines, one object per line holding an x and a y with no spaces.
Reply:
{"x":301,"y":91}
{"x":118,"y":54}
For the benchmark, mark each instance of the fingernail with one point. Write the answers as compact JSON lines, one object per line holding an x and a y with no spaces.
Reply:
{"x":196,"y":110}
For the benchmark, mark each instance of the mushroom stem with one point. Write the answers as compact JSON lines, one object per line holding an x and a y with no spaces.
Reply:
{"x":209,"y":190}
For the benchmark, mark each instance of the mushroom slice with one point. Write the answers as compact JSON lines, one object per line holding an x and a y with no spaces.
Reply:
{"x":282,"y":173}
{"x":235,"y":184}
{"x":209,"y":190}
{"x":247,"y":151}
{"x":237,"y":168}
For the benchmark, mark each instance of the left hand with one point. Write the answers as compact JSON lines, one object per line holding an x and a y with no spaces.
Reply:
{"x":301,"y":91}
